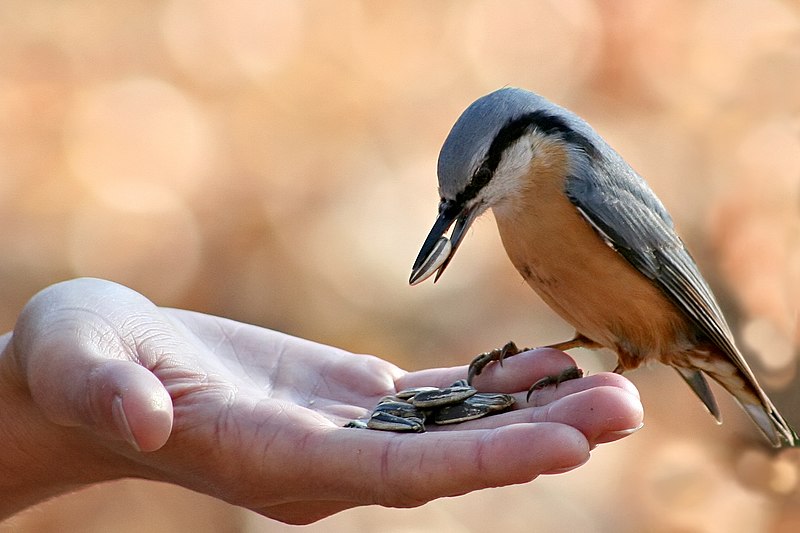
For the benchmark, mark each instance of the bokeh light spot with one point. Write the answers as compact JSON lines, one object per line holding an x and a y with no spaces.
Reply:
{"x":524,"y":43}
{"x":137,"y":248}
{"x":774,"y":349}
{"x":221,"y":41}
{"x":137,"y":133}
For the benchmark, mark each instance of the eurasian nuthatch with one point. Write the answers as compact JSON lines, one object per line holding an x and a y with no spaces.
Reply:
{"x":591,"y":238}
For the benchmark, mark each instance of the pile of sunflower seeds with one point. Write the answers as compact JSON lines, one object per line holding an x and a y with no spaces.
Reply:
{"x":410,"y":409}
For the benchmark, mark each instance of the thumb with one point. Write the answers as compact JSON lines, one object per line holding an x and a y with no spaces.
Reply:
{"x":127,"y":400}
{"x":79,"y":369}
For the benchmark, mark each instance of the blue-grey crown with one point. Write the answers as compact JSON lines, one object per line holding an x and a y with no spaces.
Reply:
{"x":474,"y":139}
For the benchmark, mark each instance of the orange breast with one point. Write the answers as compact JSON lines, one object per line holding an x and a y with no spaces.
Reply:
{"x":581,"y":278}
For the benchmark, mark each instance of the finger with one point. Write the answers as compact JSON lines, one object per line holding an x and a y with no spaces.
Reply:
{"x":80,"y":366}
{"x":305,"y":512}
{"x":141,"y":409}
{"x":552,"y":393}
{"x":602,"y":414}
{"x":116,"y":399}
{"x":519,"y":372}
{"x":539,"y":398}
{"x":516,"y":374}
{"x":410,"y":470}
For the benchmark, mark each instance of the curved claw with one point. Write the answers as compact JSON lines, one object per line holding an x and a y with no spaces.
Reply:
{"x":571,"y":372}
{"x":498,"y":354}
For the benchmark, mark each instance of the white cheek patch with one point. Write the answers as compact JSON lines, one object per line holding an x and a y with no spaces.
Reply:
{"x":513,"y":165}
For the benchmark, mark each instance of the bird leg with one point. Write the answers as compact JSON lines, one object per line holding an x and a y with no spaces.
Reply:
{"x":510,"y":348}
{"x":571,"y":372}
{"x":578,"y":341}
{"x":498,"y":354}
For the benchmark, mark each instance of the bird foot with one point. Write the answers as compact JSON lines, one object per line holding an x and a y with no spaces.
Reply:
{"x":569,"y":373}
{"x":498,"y":354}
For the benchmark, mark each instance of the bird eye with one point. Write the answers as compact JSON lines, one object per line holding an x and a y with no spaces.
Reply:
{"x":482,"y":176}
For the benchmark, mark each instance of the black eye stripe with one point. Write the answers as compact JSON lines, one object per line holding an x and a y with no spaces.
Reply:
{"x":510,"y":133}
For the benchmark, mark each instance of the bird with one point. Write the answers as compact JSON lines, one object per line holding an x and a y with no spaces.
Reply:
{"x":591,"y":238}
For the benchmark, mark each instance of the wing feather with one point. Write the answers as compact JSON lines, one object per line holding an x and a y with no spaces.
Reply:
{"x":631,"y":219}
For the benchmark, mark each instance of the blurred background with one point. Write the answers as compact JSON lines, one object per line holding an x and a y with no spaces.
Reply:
{"x":275,"y":163}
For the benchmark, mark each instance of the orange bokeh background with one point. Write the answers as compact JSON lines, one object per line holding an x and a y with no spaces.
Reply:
{"x":275,"y":163}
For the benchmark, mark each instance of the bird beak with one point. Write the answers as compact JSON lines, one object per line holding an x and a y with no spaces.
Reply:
{"x":438,"y":250}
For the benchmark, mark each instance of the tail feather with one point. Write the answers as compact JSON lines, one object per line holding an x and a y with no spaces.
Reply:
{"x":747,"y":393}
{"x":770,"y":422}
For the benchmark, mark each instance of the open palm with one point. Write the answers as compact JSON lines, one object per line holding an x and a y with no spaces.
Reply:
{"x":255,"y":417}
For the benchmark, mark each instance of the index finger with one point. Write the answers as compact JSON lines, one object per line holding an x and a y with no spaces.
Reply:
{"x":516,"y":374}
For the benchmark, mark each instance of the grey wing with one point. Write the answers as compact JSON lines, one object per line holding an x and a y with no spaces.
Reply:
{"x":632,"y":220}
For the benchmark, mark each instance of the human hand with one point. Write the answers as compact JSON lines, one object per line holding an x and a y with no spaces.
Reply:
{"x":98,"y":383}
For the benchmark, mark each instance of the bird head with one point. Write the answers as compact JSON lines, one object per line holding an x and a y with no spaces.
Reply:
{"x":483,"y":163}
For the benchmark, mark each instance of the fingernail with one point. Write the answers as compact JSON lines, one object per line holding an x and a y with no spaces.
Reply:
{"x":121,"y":421}
{"x":615,"y":435}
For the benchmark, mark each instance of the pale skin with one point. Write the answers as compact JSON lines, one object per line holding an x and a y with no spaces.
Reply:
{"x":97,"y":383}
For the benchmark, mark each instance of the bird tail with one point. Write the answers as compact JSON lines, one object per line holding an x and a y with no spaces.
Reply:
{"x":742,"y":385}
{"x":770,"y":421}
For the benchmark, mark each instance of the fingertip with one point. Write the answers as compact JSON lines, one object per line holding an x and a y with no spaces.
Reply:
{"x":618,"y":380}
{"x":630,"y":418}
{"x":140,"y":407}
{"x":524,"y":451}
{"x":602,"y":414}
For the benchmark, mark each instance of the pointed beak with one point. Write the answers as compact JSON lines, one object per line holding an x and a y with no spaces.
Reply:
{"x":438,"y":250}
